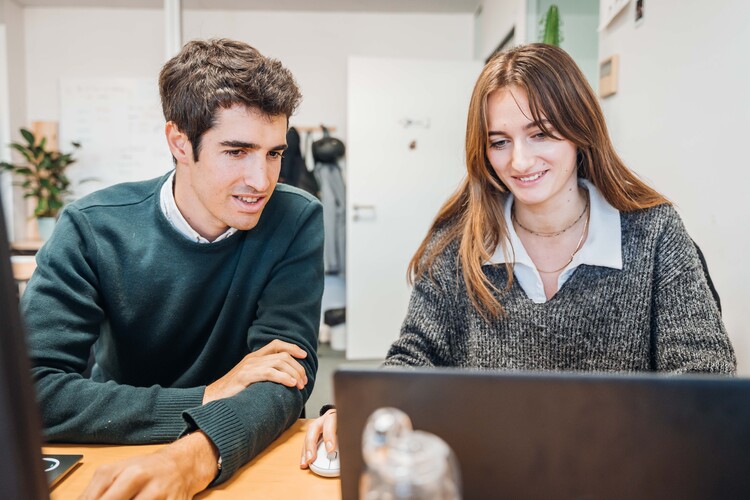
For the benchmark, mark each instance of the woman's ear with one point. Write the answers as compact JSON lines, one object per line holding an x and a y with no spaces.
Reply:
{"x":179,"y":145}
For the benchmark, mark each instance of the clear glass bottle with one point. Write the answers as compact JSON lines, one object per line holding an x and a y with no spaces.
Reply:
{"x":405,"y":464}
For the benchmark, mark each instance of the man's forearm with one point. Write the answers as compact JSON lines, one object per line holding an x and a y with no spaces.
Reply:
{"x":179,"y":470}
{"x":199,"y":457}
{"x":244,"y":425}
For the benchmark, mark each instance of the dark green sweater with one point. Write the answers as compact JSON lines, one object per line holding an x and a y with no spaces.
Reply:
{"x":169,"y":316}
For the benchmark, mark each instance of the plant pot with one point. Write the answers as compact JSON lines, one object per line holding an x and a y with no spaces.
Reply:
{"x":46,"y":226}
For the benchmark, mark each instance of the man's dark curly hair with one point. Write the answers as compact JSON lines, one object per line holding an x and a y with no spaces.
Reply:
{"x":219,"y":73}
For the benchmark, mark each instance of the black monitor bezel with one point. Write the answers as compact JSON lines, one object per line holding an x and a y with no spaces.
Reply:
{"x":21,"y":470}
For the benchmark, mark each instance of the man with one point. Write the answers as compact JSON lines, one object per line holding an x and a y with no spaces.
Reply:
{"x":199,"y":291}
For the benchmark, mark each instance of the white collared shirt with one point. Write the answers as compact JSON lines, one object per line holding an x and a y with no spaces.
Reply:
{"x":174,"y":216}
{"x":603,"y":246}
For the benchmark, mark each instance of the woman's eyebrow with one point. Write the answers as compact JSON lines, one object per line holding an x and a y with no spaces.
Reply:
{"x":538,"y":124}
{"x":496,"y":132}
{"x":528,"y":126}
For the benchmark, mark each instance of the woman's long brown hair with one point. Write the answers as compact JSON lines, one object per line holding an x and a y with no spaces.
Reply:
{"x":557,"y":91}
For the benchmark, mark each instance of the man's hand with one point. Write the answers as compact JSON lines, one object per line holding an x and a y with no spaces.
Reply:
{"x":274,"y":362}
{"x":177,"y":471}
{"x":325,"y":426}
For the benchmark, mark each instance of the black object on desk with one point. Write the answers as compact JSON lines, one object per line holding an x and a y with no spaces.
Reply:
{"x":21,"y":473}
{"x":564,"y":436}
{"x":58,"y":466}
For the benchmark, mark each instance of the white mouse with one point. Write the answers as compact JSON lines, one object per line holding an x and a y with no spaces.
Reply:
{"x":326,"y":464}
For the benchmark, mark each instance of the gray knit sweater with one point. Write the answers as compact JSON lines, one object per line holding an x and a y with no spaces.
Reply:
{"x":655,"y":314}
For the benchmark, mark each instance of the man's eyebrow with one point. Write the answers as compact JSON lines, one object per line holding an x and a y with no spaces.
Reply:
{"x":251,"y":145}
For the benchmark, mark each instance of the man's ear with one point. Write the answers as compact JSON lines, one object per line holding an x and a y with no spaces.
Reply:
{"x":178,"y":143}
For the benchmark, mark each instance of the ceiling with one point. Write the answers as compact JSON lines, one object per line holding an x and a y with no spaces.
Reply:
{"x":422,"y":6}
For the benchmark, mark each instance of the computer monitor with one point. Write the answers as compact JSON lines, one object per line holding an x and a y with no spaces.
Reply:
{"x":21,"y":469}
{"x":563,"y":436}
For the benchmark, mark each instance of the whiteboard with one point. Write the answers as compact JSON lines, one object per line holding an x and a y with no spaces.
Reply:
{"x":120,"y":126}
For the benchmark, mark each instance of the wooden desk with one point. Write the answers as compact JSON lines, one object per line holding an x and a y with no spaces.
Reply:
{"x":274,"y":474}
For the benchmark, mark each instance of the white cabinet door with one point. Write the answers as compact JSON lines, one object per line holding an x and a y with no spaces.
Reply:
{"x":405,"y":156}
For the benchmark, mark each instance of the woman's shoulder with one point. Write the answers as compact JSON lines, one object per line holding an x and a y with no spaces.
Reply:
{"x":444,"y":243}
{"x":440,"y":259}
{"x":654,"y":219}
{"x":657,"y":230}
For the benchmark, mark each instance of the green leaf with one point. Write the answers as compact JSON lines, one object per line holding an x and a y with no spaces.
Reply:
{"x":28,"y":136}
{"x":42,"y":143}
{"x":24,"y":151}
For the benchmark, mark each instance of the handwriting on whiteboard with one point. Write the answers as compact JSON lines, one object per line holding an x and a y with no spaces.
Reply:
{"x":120,"y":126}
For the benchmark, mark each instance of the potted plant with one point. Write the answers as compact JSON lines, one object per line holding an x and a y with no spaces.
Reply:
{"x":44,"y":179}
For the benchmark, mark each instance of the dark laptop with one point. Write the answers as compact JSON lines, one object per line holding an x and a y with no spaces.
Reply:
{"x":582,"y":436}
{"x":22,"y":470}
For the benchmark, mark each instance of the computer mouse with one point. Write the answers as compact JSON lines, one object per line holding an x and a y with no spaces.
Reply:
{"x":326,"y":464}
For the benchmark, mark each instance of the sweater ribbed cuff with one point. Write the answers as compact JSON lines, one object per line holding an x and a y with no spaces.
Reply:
{"x":169,"y":423}
{"x":225,"y":430}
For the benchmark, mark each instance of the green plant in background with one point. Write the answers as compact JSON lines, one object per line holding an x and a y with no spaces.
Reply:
{"x":43,"y":174}
{"x":551,"y":27}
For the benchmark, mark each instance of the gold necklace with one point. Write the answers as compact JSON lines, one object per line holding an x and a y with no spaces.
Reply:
{"x":578,"y":247}
{"x":553,"y":234}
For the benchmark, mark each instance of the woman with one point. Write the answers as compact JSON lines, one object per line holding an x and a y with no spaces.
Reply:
{"x":552,"y":254}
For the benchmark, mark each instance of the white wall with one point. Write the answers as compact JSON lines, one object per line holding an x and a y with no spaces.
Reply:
{"x":81,"y":42}
{"x":680,"y":119}
{"x":315,"y":46}
{"x":87,"y":43}
{"x":13,"y":17}
{"x":498,"y":17}
{"x":14,"y":112}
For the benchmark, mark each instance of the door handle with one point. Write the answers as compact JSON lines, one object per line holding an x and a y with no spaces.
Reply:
{"x":363,"y":212}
